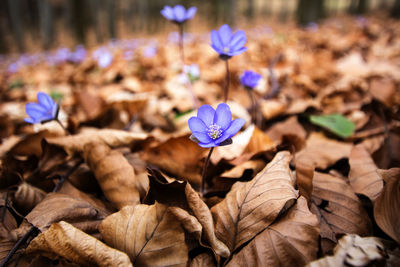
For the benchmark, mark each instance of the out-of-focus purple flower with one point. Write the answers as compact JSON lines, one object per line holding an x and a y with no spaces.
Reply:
{"x":312,"y":27}
{"x":150,"y":51}
{"x":13,"y":67}
{"x":62,"y":55}
{"x":226,"y":43}
{"x":250,"y":79}
{"x":361,"y":21}
{"x":78,"y":55}
{"x":214,"y":127}
{"x":190,"y":73}
{"x":46,"y":109}
{"x":103,"y":56}
{"x":178,"y":14}
{"x":128,"y":55}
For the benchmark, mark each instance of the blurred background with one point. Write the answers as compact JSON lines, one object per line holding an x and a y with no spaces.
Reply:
{"x":32,"y":25}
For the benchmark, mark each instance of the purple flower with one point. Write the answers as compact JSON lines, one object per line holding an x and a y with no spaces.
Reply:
{"x":103,"y":56}
{"x":178,"y":14}
{"x":78,"y":55}
{"x":226,"y":43}
{"x":250,"y":79}
{"x":46,"y":109}
{"x":214,"y":127}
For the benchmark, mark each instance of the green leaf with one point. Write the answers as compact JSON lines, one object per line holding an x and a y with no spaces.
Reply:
{"x":16,"y":84}
{"x":56,"y":95}
{"x":335,"y":123}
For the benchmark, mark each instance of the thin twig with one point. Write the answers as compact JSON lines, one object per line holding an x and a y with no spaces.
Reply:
{"x":62,"y":126}
{"x":226,"y":81}
{"x":21,"y":241}
{"x":254,"y":108}
{"x":34,"y":230}
{"x":181,"y":44}
{"x":203,"y":175}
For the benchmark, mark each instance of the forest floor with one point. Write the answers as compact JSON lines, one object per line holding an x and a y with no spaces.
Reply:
{"x":121,"y":186}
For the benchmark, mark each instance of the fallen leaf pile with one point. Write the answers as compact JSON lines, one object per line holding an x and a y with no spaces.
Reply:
{"x":123,"y":188}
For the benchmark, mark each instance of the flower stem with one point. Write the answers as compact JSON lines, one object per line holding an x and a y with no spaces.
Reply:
{"x":254,"y":108}
{"x":62,"y":126}
{"x":203,"y":176}
{"x":226,"y":81}
{"x":181,"y":44}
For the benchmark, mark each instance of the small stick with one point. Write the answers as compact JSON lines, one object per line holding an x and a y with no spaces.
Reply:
{"x":203,"y":176}
{"x":181,"y":44}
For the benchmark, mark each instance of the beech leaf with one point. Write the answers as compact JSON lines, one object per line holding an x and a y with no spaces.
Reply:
{"x":115,"y":175}
{"x":252,"y":206}
{"x":338,"y":208}
{"x":364,"y":176}
{"x":387,"y":204}
{"x":65,"y":240}
{"x":291,"y":241}
{"x":149,"y":234}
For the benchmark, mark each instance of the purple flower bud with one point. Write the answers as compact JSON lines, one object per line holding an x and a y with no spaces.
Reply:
{"x":45,"y":109}
{"x":103,"y":56}
{"x":250,"y":79}
{"x":214,"y":127}
{"x":178,"y":14}
{"x":227,"y":44}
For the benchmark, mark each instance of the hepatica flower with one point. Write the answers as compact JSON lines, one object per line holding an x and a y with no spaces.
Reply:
{"x":250,"y":79}
{"x":214,"y":127}
{"x":46,"y":109}
{"x":178,"y":14}
{"x":226,"y":43}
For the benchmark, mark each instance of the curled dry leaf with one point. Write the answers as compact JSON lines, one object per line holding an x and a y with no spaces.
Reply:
{"x":387,"y":204}
{"x":114,"y":138}
{"x":252,"y":166}
{"x":338,"y":208}
{"x":322,"y":158}
{"x":63,"y":239}
{"x":149,"y":234}
{"x":252,"y":206}
{"x":290,"y":128}
{"x":7,"y":220}
{"x":27,"y":197}
{"x":191,"y":211}
{"x":56,"y":207}
{"x":115,"y":175}
{"x":179,"y":156}
{"x":290,"y":241}
{"x":32,"y":144}
{"x":364,"y":177}
{"x":353,"y":250}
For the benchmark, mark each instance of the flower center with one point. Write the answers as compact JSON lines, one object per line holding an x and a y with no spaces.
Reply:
{"x":226,"y":49}
{"x":214,"y":131}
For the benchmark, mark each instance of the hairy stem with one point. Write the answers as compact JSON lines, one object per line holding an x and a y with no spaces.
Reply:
{"x":203,"y":176}
{"x":62,"y":126}
{"x":181,"y":44}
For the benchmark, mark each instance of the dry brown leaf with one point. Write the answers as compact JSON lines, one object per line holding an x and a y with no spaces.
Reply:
{"x":182,"y":195}
{"x":252,"y":166}
{"x":322,"y":152}
{"x":57,"y":207}
{"x":384,"y":90}
{"x":114,"y":138}
{"x":363,"y":174}
{"x":291,"y":241}
{"x":179,"y":156}
{"x":7,"y":220}
{"x":387,"y":204}
{"x":338,"y":208}
{"x":289,"y":127}
{"x":115,"y":175}
{"x":245,"y":144}
{"x":353,"y":250}
{"x":32,"y":144}
{"x":27,"y":197}
{"x":149,"y":234}
{"x":202,"y":260}
{"x":304,"y":177}
{"x":252,"y":206}
{"x":63,"y":239}
{"x":272,"y":108}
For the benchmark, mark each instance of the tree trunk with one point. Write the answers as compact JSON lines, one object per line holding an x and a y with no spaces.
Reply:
{"x":46,"y":23}
{"x":395,"y":12}
{"x":309,"y":11}
{"x":17,"y":23}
